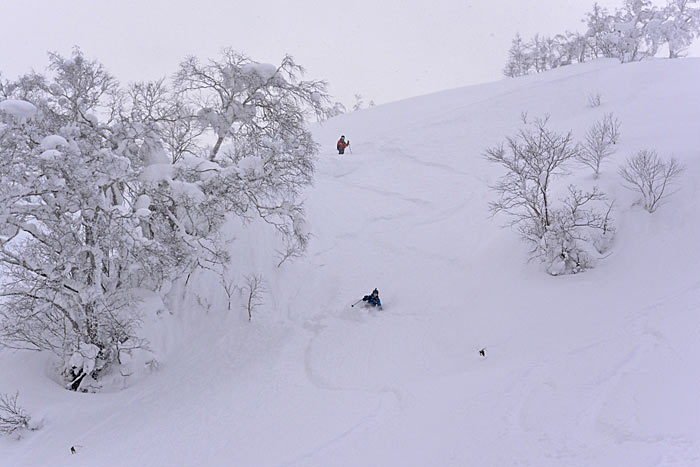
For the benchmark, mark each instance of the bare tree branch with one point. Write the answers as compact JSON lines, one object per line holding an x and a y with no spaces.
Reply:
{"x":651,"y":176}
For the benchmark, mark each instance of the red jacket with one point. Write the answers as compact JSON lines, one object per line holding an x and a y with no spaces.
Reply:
{"x":342,"y":144}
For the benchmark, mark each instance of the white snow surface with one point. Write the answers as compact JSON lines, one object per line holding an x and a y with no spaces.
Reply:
{"x":53,"y":142}
{"x":143,"y":202}
{"x":594,"y":369}
{"x":157,"y":172}
{"x":19,"y":109}
{"x":251,"y":167}
{"x":264,"y":70}
{"x":50,"y":154}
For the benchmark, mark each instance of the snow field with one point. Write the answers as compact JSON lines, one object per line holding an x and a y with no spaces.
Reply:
{"x":592,"y":369}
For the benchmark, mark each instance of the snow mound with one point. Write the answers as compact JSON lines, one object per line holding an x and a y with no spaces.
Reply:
{"x":20,"y":110}
{"x":53,"y":142}
{"x":155,"y":173}
{"x":50,"y":154}
{"x":143,"y":202}
{"x":265,"y":70}
{"x":187,"y":190}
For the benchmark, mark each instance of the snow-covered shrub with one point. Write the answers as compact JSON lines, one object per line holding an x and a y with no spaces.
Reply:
{"x":81,"y":366}
{"x":578,"y":234}
{"x":599,"y":143}
{"x":651,"y":176}
{"x":13,"y":418}
{"x":564,"y":237}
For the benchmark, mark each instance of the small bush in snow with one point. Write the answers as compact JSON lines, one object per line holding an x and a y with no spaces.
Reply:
{"x":600,"y":141}
{"x":523,"y":117}
{"x":229,"y":287}
{"x":651,"y":176}
{"x":254,"y":289}
{"x":565,"y":237}
{"x":578,"y":233}
{"x":594,"y":100}
{"x":12,"y":417}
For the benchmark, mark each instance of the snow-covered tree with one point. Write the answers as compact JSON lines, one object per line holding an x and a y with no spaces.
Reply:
{"x":262,"y":156}
{"x":564,"y":236}
{"x":532,"y":159}
{"x":600,"y":27}
{"x":235,"y":96}
{"x":166,"y":115}
{"x":104,"y":191}
{"x":519,"y":61}
{"x":541,"y":53}
{"x":633,"y":32}
{"x":359,"y":103}
{"x":636,"y":31}
{"x":570,"y":47}
{"x":71,"y":244}
{"x":544,"y":53}
{"x":680,"y":25}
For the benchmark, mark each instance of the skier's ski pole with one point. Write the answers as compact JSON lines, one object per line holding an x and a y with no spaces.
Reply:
{"x":356,"y":303}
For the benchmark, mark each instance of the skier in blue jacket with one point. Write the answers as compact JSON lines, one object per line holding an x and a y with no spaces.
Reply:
{"x":373,"y":299}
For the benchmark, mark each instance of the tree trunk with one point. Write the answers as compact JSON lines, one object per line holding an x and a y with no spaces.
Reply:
{"x":216,"y":148}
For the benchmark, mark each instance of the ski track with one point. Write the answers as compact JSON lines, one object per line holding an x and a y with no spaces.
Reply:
{"x":316,"y":326}
{"x":594,"y":396}
{"x":396,"y":151}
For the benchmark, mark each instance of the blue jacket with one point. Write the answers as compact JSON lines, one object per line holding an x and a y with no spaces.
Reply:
{"x":372,"y":300}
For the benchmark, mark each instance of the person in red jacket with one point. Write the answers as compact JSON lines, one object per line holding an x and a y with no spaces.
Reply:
{"x":342,"y":144}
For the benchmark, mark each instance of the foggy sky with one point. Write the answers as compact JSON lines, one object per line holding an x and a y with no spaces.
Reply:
{"x":383,"y":49}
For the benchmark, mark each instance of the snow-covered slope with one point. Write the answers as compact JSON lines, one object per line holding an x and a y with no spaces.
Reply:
{"x":592,"y":369}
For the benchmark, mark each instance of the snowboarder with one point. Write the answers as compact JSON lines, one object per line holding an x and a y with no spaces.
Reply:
{"x":373,"y":299}
{"x":342,"y":144}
